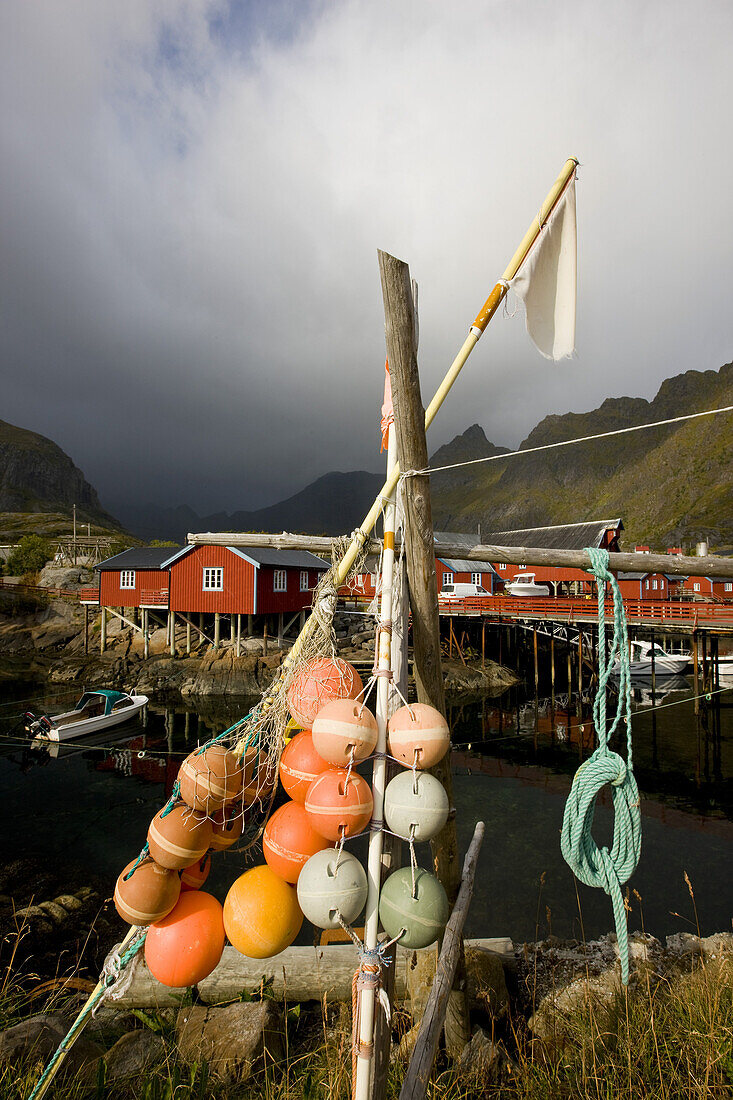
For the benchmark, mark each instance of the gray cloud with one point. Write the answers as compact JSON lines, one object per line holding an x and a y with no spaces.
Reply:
{"x":193,"y":196}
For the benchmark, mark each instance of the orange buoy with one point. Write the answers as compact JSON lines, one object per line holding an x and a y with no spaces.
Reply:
{"x":342,"y":728}
{"x":290,"y":840}
{"x":300,"y":764}
{"x":260,"y":786}
{"x":210,"y":778}
{"x":194,"y":877}
{"x":226,"y":827}
{"x":186,"y":945}
{"x":339,"y":804}
{"x":316,"y":683}
{"x":261,"y":913}
{"x":418,"y":734}
{"x":148,"y":894}
{"x":178,"y":838}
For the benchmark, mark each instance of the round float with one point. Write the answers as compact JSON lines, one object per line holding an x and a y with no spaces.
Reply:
{"x":416,"y":800}
{"x":423,"y":917}
{"x":148,"y":894}
{"x":300,"y":764}
{"x":194,"y":877}
{"x":290,"y":840}
{"x":339,"y":804}
{"x":186,"y":945}
{"x":419,"y":734}
{"x":344,"y":730}
{"x":328,"y":883}
{"x":261,"y":914}
{"x":210,"y":778}
{"x":179,"y":837}
{"x":316,"y":683}
{"x":226,"y":827}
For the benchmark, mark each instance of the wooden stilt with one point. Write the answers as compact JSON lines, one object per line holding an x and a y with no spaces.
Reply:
{"x":188,"y":637}
{"x":570,"y":670}
{"x":217,"y":629}
{"x":552,"y":667}
{"x":86,"y":628}
{"x":250,"y":625}
{"x":103,"y":631}
{"x":239,"y":635}
{"x":536,"y":663}
{"x":695,"y":672}
{"x":172,"y":628}
{"x":483,"y":643}
{"x":264,"y":638}
{"x":279,"y":630}
{"x":146,"y":633}
{"x":232,"y":629}
{"x":202,"y":636}
{"x":580,"y":663}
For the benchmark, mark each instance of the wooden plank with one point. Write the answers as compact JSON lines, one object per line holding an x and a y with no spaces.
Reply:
{"x":415,"y":1085}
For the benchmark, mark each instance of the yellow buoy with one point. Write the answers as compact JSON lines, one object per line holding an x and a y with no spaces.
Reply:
{"x":261,"y":914}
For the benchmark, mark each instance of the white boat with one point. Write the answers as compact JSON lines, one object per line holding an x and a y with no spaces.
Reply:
{"x":96,"y":710}
{"x":665,"y":664}
{"x":524,"y":585}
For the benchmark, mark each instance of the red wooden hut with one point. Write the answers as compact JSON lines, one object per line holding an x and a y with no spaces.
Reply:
{"x":138,"y":577}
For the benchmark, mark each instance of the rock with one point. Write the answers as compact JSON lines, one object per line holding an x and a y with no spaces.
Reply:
{"x":59,"y":576}
{"x":39,"y":1036}
{"x":685,"y":943}
{"x":35,"y":917}
{"x":57,"y":913}
{"x":68,"y":902}
{"x":133,"y":1054}
{"x":230,"y":1039}
{"x":420,"y":974}
{"x":482,"y":1062}
{"x":485,"y":982}
{"x":552,"y":1021}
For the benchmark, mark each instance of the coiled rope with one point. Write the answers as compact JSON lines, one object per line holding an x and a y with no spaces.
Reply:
{"x":592,"y":865}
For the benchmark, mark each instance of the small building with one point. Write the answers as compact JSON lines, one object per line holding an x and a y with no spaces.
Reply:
{"x":139,"y":577}
{"x":647,"y":586}
{"x":711,"y":588}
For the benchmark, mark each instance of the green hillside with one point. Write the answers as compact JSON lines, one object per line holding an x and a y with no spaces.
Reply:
{"x":670,"y":485}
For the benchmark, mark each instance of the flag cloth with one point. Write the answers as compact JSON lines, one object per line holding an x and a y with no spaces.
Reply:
{"x":546,"y":281}
{"x":387,"y":407}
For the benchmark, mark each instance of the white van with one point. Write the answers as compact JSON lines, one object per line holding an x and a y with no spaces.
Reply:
{"x":462,"y":591}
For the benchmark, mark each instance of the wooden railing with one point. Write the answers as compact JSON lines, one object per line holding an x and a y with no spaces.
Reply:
{"x":575,"y":608}
{"x":154,"y":597}
{"x":88,"y":595}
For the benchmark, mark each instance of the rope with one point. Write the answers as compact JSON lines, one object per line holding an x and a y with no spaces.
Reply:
{"x":564,"y":443}
{"x":594,"y":866}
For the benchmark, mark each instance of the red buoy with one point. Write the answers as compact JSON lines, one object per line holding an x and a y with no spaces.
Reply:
{"x":148,"y":894}
{"x":300,"y":764}
{"x":339,"y":804}
{"x":316,"y":683}
{"x":290,"y":840}
{"x":194,"y":877}
{"x":186,"y":945}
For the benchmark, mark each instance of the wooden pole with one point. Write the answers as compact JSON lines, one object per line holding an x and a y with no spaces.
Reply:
{"x":146,"y":633}
{"x":86,"y":628}
{"x":217,"y":629}
{"x":417,"y":1078}
{"x":420,"y":557}
{"x":188,"y":637}
{"x":103,"y":631}
{"x":172,"y":628}
{"x":239,"y":635}
{"x":552,"y":667}
{"x":536,"y":663}
{"x":280,"y":629}
{"x":695,"y":672}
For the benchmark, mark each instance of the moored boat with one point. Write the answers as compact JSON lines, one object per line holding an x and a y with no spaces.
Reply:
{"x":665,"y":664}
{"x":524,"y":584}
{"x":96,"y":710}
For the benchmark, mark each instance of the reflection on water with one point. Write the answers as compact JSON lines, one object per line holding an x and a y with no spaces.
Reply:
{"x":89,"y":803}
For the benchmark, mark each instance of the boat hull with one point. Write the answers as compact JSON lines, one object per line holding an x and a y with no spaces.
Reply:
{"x":92,"y":725}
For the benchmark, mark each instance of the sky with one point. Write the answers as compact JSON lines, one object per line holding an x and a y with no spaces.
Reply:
{"x":194,"y":192}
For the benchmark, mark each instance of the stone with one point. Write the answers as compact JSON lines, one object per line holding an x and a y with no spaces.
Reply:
{"x":57,"y":913}
{"x":485,"y":982}
{"x":686,"y":943}
{"x":68,"y":902}
{"x":133,"y":1054}
{"x":551,"y":1022}
{"x":35,"y":917}
{"x":482,"y":1061}
{"x":39,"y":1036}
{"x":230,"y":1039}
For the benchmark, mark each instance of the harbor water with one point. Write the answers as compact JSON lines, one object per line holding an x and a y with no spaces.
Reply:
{"x":87,"y":804}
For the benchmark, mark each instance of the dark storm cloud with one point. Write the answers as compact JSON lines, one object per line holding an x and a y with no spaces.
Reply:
{"x":193,"y":194}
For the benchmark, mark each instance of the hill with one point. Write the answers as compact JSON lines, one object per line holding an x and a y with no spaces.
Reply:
{"x":671,"y":485}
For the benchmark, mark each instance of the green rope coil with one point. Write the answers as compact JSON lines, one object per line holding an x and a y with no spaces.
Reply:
{"x":592,"y":865}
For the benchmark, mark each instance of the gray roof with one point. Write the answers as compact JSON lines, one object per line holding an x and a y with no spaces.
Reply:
{"x":564,"y":536}
{"x":467,"y":565}
{"x":265,"y":555}
{"x":139,"y":557}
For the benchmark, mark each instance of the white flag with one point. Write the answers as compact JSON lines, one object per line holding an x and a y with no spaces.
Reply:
{"x":546,"y":281}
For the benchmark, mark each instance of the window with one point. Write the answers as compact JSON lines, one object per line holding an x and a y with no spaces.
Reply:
{"x":654,"y":584}
{"x":304,"y":580}
{"x":646,"y":584}
{"x":213,"y":578}
{"x":127,"y":578}
{"x":447,"y":579}
{"x":476,"y":578}
{"x":729,"y":586}
{"x":502,"y":565}
{"x":696,"y":586}
{"x":280,"y":583}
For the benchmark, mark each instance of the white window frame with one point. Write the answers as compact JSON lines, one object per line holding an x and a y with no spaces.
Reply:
{"x":304,"y":586}
{"x":728,"y":586}
{"x":501,"y":565}
{"x":646,"y":584}
{"x":654,"y":584}
{"x":476,"y":579}
{"x":447,"y":579}
{"x":213,"y":578}
{"x":127,"y":578}
{"x":696,"y":586}
{"x":280,"y":580}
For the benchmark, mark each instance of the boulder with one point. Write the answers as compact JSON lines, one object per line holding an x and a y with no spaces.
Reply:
{"x":553,"y":1019}
{"x":230,"y":1039}
{"x":685,"y":943}
{"x":485,"y":982}
{"x":39,"y":1036}
{"x":482,"y":1062}
{"x":133,"y":1054}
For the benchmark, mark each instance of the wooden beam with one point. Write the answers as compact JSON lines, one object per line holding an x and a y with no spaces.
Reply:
{"x":415,"y":1085}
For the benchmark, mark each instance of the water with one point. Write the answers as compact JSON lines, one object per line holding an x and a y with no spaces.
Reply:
{"x":90,"y":804}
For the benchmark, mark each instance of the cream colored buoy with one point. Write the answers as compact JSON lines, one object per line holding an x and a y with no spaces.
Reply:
{"x":415,"y":805}
{"x":344,"y":730}
{"x":418,"y":735}
{"x":331,"y":882}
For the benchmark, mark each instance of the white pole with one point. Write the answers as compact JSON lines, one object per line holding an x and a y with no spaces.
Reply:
{"x":374,"y":862}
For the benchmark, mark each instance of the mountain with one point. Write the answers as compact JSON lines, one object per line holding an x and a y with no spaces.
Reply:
{"x":671,"y":485}
{"x":37,"y":477}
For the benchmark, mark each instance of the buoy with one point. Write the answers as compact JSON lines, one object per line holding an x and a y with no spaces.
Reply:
{"x":418,"y":728}
{"x":290,"y":840}
{"x":300,"y":764}
{"x":339,"y":804}
{"x":328,"y":883}
{"x":178,"y":838}
{"x":210,"y":778}
{"x":342,"y":728}
{"x":416,"y":800}
{"x":260,"y":786}
{"x":194,"y":877}
{"x":261,"y":913}
{"x":316,"y":683}
{"x":226,"y":827}
{"x":185,"y":946}
{"x":423,"y":917}
{"x":148,"y":894}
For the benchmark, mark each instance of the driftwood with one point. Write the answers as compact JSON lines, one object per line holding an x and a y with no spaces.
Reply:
{"x":296,"y":974}
{"x":418,"y":1072}
{"x":678,"y":565}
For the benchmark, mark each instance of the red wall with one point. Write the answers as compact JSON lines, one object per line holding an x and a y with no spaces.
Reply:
{"x":111,"y":595}
{"x":187,"y":578}
{"x":293,"y":599}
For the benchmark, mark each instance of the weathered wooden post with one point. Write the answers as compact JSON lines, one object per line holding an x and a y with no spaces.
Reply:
{"x":420,"y":558}
{"x":103,"y":631}
{"x":172,"y":628}
{"x":536,"y":662}
{"x":239,"y":635}
{"x":188,"y":636}
{"x":146,"y":633}
{"x":217,"y":629}
{"x":86,"y":628}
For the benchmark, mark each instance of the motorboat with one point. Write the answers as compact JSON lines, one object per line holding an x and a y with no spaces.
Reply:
{"x":96,"y":710}
{"x":524,"y":584}
{"x":664,"y":664}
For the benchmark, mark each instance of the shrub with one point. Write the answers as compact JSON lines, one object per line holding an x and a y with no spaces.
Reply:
{"x":29,"y":556}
